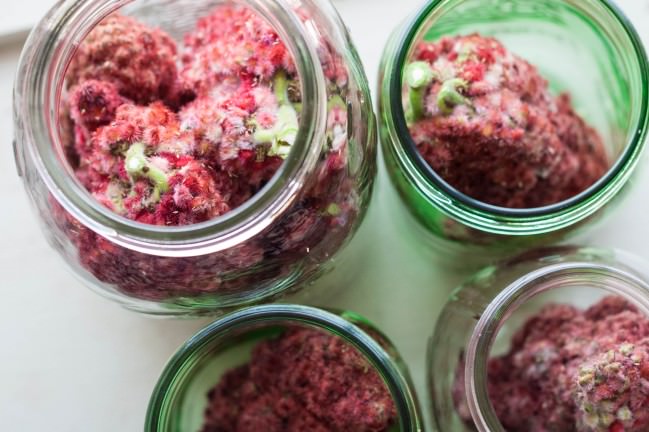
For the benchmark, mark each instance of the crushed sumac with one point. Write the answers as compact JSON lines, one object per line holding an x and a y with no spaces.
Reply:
{"x":303,"y":380}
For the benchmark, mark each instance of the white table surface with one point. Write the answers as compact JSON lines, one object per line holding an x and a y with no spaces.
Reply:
{"x":72,"y":361}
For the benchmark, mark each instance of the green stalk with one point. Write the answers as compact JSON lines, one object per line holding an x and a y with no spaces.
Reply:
{"x":280,"y":88}
{"x":449,"y":96}
{"x":114,"y":192}
{"x":418,"y":76}
{"x":137,"y":165}
{"x":282,"y":135}
{"x":336,"y":102}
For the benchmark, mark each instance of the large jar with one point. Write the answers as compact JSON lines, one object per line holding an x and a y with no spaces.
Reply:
{"x":498,"y":309}
{"x":180,"y":398}
{"x":283,"y":236}
{"x":586,"y":48}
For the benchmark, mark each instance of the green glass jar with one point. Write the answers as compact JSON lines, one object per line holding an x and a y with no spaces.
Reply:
{"x":179,"y":400}
{"x":482,"y":316}
{"x":587,"y":47}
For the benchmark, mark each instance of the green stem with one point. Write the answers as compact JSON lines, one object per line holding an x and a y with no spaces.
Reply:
{"x":418,"y":76}
{"x":417,"y":104}
{"x":280,"y":87}
{"x":286,"y":130}
{"x":137,"y":165}
{"x":282,"y":134}
{"x":336,"y":102}
{"x":333,"y":209}
{"x":114,"y":192}
{"x":449,"y":96}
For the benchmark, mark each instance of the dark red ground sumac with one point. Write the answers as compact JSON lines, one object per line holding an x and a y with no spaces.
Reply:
{"x":304,"y":380}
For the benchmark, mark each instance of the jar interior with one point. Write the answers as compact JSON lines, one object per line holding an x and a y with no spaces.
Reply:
{"x":176,"y":19}
{"x":580,"y":295}
{"x":580,"y":47}
{"x":192,"y":398}
{"x":580,"y":286}
{"x":186,"y":399}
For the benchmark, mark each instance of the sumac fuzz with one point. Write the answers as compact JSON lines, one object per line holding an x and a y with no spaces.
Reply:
{"x":171,"y":134}
{"x":485,"y":121}
{"x":572,"y":370}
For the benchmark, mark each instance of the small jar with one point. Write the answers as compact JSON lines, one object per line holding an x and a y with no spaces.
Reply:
{"x":482,"y":320}
{"x":283,"y":236}
{"x":179,"y":400}
{"x":588,"y":48}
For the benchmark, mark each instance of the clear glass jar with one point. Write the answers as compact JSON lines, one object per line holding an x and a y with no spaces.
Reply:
{"x":180,"y":397}
{"x":587,"y":47}
{"x":483,"y":314}
{"x":283,"y":236}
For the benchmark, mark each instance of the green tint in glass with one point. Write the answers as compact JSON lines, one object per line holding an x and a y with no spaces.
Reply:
{"x":479,"y":320}
{"x":179,"y":400}
{"x":585,"y":47}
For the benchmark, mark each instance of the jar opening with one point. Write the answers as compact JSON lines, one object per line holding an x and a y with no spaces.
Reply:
{"x":43,"y":86}
{"x":440,"y":18}
{"x":557,"y":283}
{"x":237,"y":333}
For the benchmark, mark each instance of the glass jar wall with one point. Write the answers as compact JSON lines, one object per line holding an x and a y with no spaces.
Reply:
{"x":506,"y":319}
{"x":585,"y":48}
{"x":179,"y":400}
{"x":282,"y":236}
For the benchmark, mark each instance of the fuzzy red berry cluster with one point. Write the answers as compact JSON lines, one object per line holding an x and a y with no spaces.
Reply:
{"x":485,"y":121}
{"x":169,"y":144}
{"x":572,"y":371}
{"x":168,"y":134}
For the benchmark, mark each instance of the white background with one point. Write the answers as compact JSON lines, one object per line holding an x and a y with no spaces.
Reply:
{"x":72,"y":361}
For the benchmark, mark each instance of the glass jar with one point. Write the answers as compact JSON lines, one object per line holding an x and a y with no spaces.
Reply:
{"x":180,"y":397}
{"x":483,"y":314}
{"x":283,"y":236}
{"x":587,"y":47}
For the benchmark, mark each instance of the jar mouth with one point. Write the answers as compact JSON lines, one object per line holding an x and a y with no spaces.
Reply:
{"x":464,"y":207}
{"x":201,"y":344}
{"x":41,"y":76}
{"x":615,"y":280}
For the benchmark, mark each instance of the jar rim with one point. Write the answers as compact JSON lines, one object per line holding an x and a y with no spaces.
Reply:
{"x":504,"y":220}
{"x":275,"y":314}
{"x":628,"y":283}
{"x":49,"y":49}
